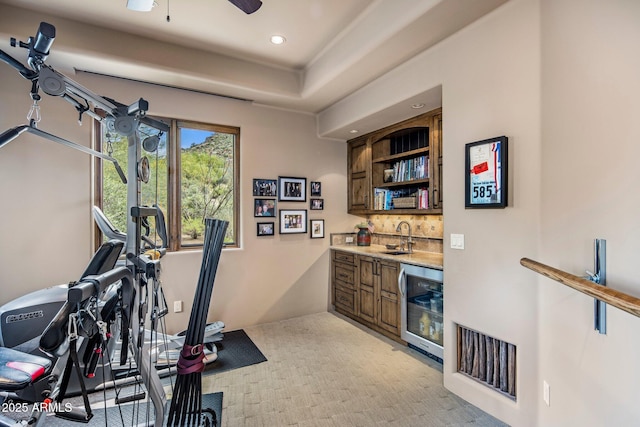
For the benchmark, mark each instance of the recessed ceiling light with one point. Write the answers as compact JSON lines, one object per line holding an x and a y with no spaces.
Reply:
{"x":276,"y":39}
{"x":140,"y":5}
{"x":417,"y":106}
{"x":353,"y":131}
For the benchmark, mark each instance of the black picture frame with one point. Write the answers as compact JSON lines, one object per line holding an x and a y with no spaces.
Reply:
{"x":265,"y":187}
{"x":264,"y":208}
{"x":315,"y":189}
{"x":316,"y":204}
{"x":293,"y":221}
{"x":486,"y":173}
{"x":291,"y":189}
{"x":317,"y":228}
{"x":265,"y":229}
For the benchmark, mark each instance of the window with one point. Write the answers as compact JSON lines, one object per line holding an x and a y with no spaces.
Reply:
{"x":193,"y":175}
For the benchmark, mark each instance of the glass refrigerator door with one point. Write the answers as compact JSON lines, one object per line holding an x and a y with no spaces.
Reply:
{"x":424,"y":308}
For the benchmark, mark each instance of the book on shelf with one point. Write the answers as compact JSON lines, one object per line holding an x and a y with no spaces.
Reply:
{"x":423,"y":198}
{"x":383,"y":198}
{"x":411,"y":169}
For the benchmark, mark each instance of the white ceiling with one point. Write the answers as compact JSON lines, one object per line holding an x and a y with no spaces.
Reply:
{"x":333,"y":47}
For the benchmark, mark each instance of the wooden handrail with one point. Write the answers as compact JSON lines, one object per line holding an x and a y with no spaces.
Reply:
{"x":618,"y":299}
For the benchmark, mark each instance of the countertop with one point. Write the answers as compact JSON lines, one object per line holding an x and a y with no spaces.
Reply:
{"x":421,"y":258}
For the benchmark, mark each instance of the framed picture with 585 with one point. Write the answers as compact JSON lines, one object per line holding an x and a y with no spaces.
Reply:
{"x":485,"y":180}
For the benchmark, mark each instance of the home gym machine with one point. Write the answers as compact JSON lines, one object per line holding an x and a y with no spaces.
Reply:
{"x":141,"y":270}
{"x":77,"y":318}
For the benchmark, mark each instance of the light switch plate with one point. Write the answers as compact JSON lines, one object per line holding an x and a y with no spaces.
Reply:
{"x":457,"y":241}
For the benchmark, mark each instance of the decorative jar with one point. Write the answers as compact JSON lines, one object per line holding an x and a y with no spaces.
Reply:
{"x":364,"y":236}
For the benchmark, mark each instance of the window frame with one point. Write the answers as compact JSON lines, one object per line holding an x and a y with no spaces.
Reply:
{"x":174,"y":192}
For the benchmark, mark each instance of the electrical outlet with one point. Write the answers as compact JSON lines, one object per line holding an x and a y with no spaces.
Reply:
{"x":546,"y":393}
{"x":348,"y":239}
{"x":177,"y":306}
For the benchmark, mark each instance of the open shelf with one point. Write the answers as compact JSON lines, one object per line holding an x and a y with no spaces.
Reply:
{"x":401,"y":156}
{"x":409,"y":211}
{"x":400,"y":184}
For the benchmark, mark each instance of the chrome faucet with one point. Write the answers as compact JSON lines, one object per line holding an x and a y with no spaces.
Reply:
{"x":409,"y":241}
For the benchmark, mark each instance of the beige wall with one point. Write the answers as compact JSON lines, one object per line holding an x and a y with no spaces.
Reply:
{"x":590,"y":146}
{"x":491,"y":88}
{"x":45,"y":193}
{"x":44,"y":190}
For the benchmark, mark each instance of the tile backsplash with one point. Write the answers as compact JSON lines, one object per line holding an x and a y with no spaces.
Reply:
{"x":426,"y":230}
{"x":428,"y":226}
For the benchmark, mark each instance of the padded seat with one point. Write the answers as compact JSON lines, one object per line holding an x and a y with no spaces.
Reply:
{"x":18,"y":369}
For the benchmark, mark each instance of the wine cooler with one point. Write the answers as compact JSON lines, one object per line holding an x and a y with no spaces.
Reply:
{"x":422,"y":308}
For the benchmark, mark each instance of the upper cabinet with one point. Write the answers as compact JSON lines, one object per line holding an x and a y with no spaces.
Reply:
{"x":359,"y":160}
{"x":398,"y":169}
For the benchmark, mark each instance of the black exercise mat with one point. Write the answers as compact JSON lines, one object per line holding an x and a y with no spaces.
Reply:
{"x":210,"y":402}
{"x":236,"y":350}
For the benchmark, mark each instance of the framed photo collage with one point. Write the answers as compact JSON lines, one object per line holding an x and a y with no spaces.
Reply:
{"x":270,"y":193}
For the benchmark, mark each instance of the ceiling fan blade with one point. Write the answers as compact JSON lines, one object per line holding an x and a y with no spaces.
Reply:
{"x":247,"y":6}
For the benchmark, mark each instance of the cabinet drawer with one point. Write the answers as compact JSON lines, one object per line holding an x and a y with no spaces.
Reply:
{"x":343,"y":257}
{"x":345,"y":285}
{"x":344,"y":273}
{"x":345,"y":299}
